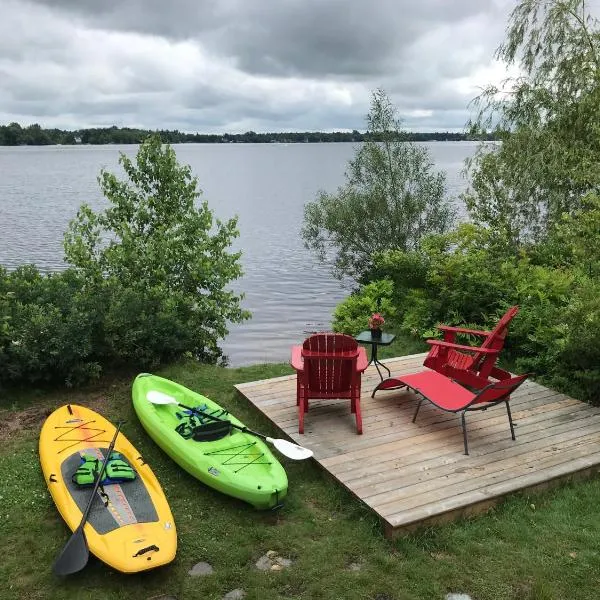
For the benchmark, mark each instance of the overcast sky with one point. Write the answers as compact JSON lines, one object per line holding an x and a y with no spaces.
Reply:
{"x":239,"y":65}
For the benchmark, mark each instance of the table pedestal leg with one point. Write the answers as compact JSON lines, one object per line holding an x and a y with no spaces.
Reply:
{"x":376,"y":362}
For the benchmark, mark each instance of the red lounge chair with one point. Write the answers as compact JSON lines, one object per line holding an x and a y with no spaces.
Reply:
{"x":451,"y":397}
{"x":471,"y":366}
{"x":328,"y":365}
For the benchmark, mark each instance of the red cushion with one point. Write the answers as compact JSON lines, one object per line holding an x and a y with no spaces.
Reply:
{"x":437,"y":388}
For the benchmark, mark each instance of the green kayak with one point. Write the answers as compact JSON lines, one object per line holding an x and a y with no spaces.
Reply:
{"x":229,"y":460}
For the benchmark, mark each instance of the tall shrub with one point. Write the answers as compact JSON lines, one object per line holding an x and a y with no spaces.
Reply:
{"x":549,"y":120}
{"x":391,"y":199}
{"x":159,"y":259}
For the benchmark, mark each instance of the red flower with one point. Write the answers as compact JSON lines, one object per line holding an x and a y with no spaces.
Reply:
{"x":376,"y":320}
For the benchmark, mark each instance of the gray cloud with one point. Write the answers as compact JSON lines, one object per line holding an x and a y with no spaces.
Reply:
{"x":218,"y":65}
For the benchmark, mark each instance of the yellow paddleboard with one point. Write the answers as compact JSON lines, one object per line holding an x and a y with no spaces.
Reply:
{"x":130,"y":526}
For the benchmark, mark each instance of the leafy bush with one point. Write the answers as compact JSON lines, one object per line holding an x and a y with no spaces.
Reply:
{"x":149,"y":281}
{"x":471,"y":279}
{"x":47,"y":327}
{"x":352,"y":315}
{"x":166,"y":265}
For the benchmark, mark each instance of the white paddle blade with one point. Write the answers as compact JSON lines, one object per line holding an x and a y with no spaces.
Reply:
{"x":291,"y":450}
{"x":157,"y":397}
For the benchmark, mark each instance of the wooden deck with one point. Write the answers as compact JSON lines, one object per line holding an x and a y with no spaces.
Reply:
{"x":412,"y":474}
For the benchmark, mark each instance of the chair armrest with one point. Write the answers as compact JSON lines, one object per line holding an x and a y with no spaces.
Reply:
{"x":464,"y":330}
{"x":452,"y":346}
{"x":362,"y":362}
{"x":296,"y":360}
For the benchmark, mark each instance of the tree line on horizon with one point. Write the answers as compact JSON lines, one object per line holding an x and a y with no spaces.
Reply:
{"x":35,"y":135}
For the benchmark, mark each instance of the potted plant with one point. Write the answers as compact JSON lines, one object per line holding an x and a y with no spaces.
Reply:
{"x":376,"y":321}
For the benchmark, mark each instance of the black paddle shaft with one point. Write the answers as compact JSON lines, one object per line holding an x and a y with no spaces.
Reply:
{"x":75,"y":554}
{"x":86,"y":512}
{"x":205,"y":414}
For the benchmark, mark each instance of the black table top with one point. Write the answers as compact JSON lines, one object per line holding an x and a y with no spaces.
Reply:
{"x":365,"y":337}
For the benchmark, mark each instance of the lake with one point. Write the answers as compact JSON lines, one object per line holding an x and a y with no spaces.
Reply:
{"x":287,"y":290}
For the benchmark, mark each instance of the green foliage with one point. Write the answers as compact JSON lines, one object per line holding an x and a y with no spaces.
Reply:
{"x":406,"y":269}
{"x":575,"y":241}
{"x":161,"y":262}
{"x":534,"y":237}
{"x":471,"y":278}
{"x":47,"y":327}
{"x":149,"y":281}
{"x":352,"y":315}
{"x":15,"y":135}
{"x":391,"y":199}
{"x":550,"y":116}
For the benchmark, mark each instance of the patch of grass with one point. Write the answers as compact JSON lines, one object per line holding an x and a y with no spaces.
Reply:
{"x":547,"y":551}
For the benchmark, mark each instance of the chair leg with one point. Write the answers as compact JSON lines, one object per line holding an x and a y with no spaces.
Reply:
{"x":301,"y":411}
{"x":510,"y":421}
{"x":464,"y":428}
{"x":417,"y":411}
{"x":356,"y":402}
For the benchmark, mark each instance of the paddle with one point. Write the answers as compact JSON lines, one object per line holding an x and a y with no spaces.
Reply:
{"x":75,"y":554}
{"x":286,"y":448}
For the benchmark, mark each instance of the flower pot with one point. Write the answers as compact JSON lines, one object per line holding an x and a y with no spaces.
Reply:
{"x":376,"y":333}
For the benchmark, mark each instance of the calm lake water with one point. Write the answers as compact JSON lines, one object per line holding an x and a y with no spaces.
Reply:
{"x":287,"y":290}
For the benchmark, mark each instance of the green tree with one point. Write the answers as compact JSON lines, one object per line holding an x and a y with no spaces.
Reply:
{"x":157,"y":262}
{"x":548,"y":118}
{"x":13,"y":135}
{"x":391,"y":199}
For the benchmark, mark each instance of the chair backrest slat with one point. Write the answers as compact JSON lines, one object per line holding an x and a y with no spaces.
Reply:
{"x":330,"y":362}
{"x":494,"y":341}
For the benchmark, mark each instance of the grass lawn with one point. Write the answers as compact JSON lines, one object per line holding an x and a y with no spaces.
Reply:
{"x":541,"y":547}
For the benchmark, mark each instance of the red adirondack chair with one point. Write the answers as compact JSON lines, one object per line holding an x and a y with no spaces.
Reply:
{"x":328,"y":365}
{"x":451,"y":397}
{"x":471,"y":366}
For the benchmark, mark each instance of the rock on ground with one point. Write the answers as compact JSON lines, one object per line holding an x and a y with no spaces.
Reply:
{"x":235,"y":595}
{"x":200,"y":569}
{"x":271,"y":561}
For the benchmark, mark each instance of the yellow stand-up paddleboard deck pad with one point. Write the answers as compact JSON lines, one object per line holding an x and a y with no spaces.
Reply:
{"x":135,"y":531}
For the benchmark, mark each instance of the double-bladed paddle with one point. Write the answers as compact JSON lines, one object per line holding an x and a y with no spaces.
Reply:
{"x":286,"y":448}
{"x":75,"y":554}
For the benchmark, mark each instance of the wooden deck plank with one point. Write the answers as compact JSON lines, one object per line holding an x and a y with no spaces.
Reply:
{"x":412,"y":474}
{"x":432,"y":463}
{"x":450,"y":435}
{"x":478,"y":476}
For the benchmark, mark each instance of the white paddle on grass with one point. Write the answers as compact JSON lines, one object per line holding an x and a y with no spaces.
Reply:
{"x":286,"y":448}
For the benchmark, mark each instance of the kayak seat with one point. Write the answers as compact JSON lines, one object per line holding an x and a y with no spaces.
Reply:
{"x":192,"y":426}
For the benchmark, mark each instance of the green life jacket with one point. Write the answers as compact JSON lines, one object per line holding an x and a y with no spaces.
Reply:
{"x":118,"y":470}
{"x":200,"y":428}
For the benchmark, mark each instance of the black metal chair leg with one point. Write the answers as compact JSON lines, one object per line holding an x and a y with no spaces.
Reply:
{"x":417,"y":411}
{"x":512,"y":429}
{"x":464,"y":428}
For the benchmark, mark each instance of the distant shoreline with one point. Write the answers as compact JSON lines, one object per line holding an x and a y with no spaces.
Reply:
{"x":34,"y":135}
